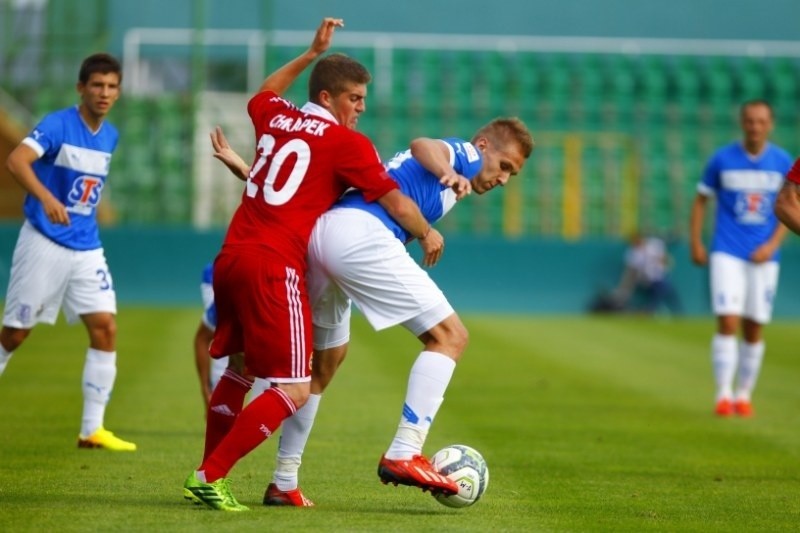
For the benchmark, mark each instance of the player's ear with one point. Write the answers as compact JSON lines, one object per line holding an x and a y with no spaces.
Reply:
{"x":325,"y":99}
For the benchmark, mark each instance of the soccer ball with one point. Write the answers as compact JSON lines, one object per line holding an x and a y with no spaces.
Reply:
{"x":467,"y":468}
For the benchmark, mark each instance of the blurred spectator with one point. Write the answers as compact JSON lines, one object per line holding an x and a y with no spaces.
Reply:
{"x":645,"y":285}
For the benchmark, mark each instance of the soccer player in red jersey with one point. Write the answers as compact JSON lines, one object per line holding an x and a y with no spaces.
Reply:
{"x":787,"y":204}
{"x":305,"y":159}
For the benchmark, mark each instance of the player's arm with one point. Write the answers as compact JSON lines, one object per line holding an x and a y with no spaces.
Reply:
{"x":698,"y":250}
{"x":202,"y":360}
{"x":434,"y":155}
{"x":20,"y":165}
{"x":406,"y":212}
{"x":226,"y":154}
{"x":787,"y":206}
{"x":281,"y":79}
{"x":766,"y":251}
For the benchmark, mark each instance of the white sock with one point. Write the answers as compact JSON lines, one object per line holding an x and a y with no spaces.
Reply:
{"x":427,"y":383}
{"x":99,"y":373}
{"x":724,"y":355}
{"x":5,"y":355}
{"x":295,"y":431}
{"x":259,"y":386}
{"x":750,"y":358}
{"x":217,"y":368}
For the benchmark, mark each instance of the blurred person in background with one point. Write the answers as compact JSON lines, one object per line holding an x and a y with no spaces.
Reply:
{"x":787,"y":205}
{"x":745,"y":177}
{"x":58,"y":260}
{"x":357,"y":251}
{"x":645,"y":285}
{"x":305,"y":160}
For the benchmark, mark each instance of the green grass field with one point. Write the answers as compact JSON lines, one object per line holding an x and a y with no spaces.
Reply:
{"x":587,"y":424}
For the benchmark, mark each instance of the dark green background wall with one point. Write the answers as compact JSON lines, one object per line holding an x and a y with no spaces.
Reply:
{"x":162,"y":267}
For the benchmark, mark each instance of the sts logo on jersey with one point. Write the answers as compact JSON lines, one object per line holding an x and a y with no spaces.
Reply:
{"x":752,"y":207}
{"x":84,"y":195}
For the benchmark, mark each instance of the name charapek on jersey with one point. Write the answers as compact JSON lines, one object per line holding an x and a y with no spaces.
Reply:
{"x":312,"y":126}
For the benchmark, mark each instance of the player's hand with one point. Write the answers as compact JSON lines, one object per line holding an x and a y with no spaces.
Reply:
{"x":699,"y":254}
{"x":762,"y":254}
{"x":324,"y":36}
{"x":460,"y":185}
{"x":433,"y":247}
{"x":55,"y":211}
{"x":226,"y":154}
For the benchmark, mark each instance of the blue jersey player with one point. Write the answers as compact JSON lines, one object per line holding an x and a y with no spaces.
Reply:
{"x":745,"y":178}
{"x":58,"y":261}
{"x":357,"y":252}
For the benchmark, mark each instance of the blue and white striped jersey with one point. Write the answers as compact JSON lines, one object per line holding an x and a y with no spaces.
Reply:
{"x":73,"y":164}
{"x":433,"y":198}
{"x":745,"y":187}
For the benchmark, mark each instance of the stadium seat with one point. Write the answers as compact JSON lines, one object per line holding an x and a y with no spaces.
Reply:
{"x":619,"y":89}
{"x":751,"y":79}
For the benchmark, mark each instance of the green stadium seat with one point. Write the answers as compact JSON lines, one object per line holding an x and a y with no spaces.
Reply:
{"x":685,"y":79}
{"x":751,"y":79}
{"x":653,"y":88}
{"x":718,"y":81}
{"x":619,"y":89}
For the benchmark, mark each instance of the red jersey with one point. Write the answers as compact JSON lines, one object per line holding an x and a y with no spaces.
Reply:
{"x":304,"y":162}
{"x":794,"y":173}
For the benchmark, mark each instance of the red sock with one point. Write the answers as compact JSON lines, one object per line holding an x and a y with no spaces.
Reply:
{"x":253,"y":426}
{"x":223,"y":408}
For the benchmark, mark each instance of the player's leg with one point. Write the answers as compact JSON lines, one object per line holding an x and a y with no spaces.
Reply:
{"x":728,"y":282}
{"x":36,"y":286}
{"x":762,"y":286}
{"x":331,"y":319}
{"x":271,"y":350}
{"x":428,"y":380}
{"x":374,"y":269}
{"x":90,"y":297}
{"x":10,"y":340}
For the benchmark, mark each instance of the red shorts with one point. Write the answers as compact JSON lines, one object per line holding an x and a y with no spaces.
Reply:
{"x":263,"y":311}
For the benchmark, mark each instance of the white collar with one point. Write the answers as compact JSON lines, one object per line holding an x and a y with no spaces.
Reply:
{"x":311,"y":108}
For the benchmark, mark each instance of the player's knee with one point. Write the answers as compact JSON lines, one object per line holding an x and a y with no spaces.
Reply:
{"x":297,"y":392}
{"x":12,"y":338}
{"x":456,"y":339}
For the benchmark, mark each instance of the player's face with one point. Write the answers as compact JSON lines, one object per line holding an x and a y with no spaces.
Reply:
{"x":499,"y":164}
{"x":348,"y":105}
{"x":757,"y":124}
{"x":99,"y":93}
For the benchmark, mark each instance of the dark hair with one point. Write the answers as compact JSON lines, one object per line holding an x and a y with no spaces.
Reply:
{"x":102,"y":63}
{"x":335,"y":73}
{"x":754,"y":103}
{"x":505,"y":129}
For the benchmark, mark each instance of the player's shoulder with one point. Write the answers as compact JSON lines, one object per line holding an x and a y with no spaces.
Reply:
{"x":780,"y":153}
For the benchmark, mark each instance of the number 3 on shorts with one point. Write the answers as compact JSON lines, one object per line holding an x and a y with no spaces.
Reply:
{"x":105,"y":279}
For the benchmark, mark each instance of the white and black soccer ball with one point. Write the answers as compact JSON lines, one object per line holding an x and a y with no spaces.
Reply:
{"x":465,"y":466}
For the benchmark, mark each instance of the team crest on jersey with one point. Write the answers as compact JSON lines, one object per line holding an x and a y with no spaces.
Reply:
{"x":752,"y":207}
{"x":84,"y":194}
{"x":472,"y":152}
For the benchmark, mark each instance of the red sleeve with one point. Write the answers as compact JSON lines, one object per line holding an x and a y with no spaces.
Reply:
{"x":262,"y":103}
{"x":363,"y":168}
{"x":794,"y":173}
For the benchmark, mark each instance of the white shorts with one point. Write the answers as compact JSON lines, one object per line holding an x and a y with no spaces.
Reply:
{"x":352,"y":255}
{"x":209,"y":317}
{"x":742,"y":288}
{"x":45,"y":276}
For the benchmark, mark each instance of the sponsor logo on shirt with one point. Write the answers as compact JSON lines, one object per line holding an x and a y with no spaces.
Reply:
{"x":752,"y":207}
{"x":84,"y":194}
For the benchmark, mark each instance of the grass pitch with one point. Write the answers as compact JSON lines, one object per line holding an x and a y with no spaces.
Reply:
{"x":587,"y":424}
